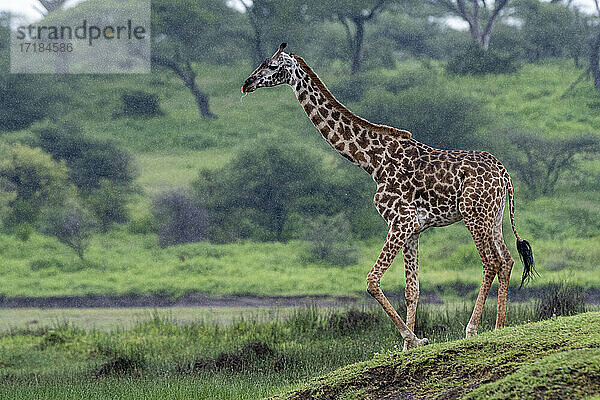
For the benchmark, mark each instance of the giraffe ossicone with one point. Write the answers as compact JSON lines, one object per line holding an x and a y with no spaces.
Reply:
{"x":418,"y":187}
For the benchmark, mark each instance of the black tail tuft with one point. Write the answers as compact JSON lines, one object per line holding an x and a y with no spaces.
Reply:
{"x":524,"y":249}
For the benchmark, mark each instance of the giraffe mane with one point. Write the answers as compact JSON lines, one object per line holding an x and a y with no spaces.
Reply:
{"x":385,"y":129}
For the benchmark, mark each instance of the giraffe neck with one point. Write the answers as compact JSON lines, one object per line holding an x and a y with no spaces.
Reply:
{"x":356,"y":139}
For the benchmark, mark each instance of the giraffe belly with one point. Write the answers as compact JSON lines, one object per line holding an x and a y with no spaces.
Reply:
{"x":428,"y":219}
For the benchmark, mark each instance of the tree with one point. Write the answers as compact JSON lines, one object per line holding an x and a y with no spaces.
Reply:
{"x":477,"y":14}
{"x":272,"y":22}
{"x":434,"y":114}
{"x":358,"y":15}
{"x":183,"y":31}
{"x":254,"y":14}
{"x":71,"y":224}
{"x":594,"y":58}
{"x":539,"y":161}
{"x":34,"y":181}
{"x":595,"y":53}
{"x":551,"y":30}
{"x":102,"y":172}
{"x":253,"y":195}
{"x":24,"y":98}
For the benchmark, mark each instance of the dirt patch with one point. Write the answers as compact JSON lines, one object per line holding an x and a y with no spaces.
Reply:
{"x":188,"y":300}
{"x":253,"y":356}
{"x":591,"y":296}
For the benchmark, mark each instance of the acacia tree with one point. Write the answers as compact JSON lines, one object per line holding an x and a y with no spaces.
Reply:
{"x":183,"y":32}
{"x":272,"y":22}
{"x":480,"y":16}
{"x":594,"y":58}
{"x":254,"y":12}
{"x":540,"y":162}
{"x":354,"y":17}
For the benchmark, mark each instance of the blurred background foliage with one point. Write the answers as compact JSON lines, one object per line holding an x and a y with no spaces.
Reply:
{"x":176,"y":156}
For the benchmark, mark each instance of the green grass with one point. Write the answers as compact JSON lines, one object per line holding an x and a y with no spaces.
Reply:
{"x":109,"y":319}
{"x":533,"y":98}
{"x":120,"y":262}
{"x":557,"y":358}
{"x":165,"y":356}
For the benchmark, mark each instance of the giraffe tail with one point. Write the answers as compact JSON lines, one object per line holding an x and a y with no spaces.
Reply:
{"x":523,"y":246}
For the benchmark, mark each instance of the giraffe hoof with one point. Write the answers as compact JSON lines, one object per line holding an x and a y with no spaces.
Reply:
{"x":416,"y":342}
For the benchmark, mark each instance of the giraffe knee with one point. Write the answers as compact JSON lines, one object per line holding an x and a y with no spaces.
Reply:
{"x":373,"y":287}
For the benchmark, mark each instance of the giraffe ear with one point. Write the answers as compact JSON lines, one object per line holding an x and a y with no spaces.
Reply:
{"x":278,"y":52}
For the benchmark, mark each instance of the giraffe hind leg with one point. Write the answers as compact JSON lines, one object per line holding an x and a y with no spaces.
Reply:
{"x":491,"y":261}
{"x":503,"y":281}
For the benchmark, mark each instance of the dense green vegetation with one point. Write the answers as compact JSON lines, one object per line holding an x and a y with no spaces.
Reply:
{"x":247,"y":358}
{"x":172,"y":183}
{"x":170,"y":150}
{"x":123,"y":187}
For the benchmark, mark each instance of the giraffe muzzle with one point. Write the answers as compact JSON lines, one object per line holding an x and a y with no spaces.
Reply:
{"x":247,"y":86}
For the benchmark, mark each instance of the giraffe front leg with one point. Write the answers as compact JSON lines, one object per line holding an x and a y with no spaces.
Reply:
{"x":393,"y":243}
{"x":410,"y":252}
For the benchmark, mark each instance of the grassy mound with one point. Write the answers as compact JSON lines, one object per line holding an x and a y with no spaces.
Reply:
{"x":557,"y":358}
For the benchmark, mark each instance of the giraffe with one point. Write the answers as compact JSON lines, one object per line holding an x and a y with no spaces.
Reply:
{"x":418,"y":187}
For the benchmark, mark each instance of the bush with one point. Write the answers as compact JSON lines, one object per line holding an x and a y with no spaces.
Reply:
{"x":330,"y":241}
{"x":139,"y":104}
{"x":409,"y":78}
{"x":32,"y":181}
{"x":560,"y":299}
{"x":89,"y":160}
{"x":252,"y":196}
{"x":72,"y":225}
{"x":109,"y":204}
{"x":434,"y":115}
{"x":351,"y":88}
{"x":476,"y":61}
{"x":103,"y":172}
{"x":266,"y":191}
{"x":180,"y":219}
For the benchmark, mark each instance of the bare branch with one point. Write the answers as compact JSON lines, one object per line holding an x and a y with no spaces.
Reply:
{"x":498,"y":6}
{"x":348,"y":32}
{"x":52,"y":5}
{"x":373,"y":10}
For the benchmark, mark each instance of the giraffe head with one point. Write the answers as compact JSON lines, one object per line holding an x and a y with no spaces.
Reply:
{"x":275,"y":70}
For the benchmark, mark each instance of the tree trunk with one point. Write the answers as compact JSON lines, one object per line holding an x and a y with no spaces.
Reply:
{"x":358,"y":41}
{"x":188,"y":76}
{"x":201,"y":98}
{"x":259,"y":53}
{"x":594,"y":61}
